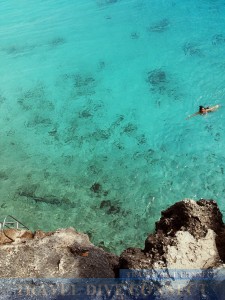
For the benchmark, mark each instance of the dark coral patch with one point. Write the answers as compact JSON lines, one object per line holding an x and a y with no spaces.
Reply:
{"x":101,"y":65}
{"x":192,"y":49}
{"x":134,"y":35}
{"x":81,"y":84}
{"x":16,"y":50}
{"x":96,"y":187}
{"x":3,"y":175}
{"x":2,"y":99}
{"x":160,"y":82}
{"x":141,"y":139}
{"x":157,"y":80}
{"x":157,"y":77}
{"x":130,"y":128}
{"x":80,"y":81}
{"x":84,"y":84}
{"x":110,"y":207}
{"x":218,"y":39}
{"x":98,"y":190}
{"x":117,"y":122}
{"x":49,"y":199}
{"x":35,"y":98}
{"x":101,"y":134}
{"x":159,"y":26}
{"x":85,"y":114}
{"x":105,"y":2}
{"x":57,"y":41}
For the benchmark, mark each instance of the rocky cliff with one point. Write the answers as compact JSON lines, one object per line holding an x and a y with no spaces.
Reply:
{"x":189,"y":239}
{"x":64,"y":253}
{"x":189,"y":236}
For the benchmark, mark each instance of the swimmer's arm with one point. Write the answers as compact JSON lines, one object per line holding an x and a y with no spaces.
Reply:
{"x":191,"y":116}
{"x":213,"y":108}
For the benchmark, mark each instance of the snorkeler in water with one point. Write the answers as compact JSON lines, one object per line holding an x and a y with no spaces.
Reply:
{"x":204,"y":110}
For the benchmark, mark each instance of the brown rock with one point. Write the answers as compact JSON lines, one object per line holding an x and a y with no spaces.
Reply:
{"x":186,"y":236}
{"x":25,"y":234}
{"x":39,"y":234}
{"x":11,"y":234}
{"x":194,"y":217}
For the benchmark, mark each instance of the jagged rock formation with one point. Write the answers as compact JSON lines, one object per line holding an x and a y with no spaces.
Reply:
{"x":186,"y":236}
{"x":189,"y":236}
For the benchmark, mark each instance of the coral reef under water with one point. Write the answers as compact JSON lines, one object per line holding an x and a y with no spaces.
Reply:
{"x":161,"y":82}
{"x":57,"y":41}
{"x":105,"y":2}
{"x":192,"y":49}
{"x":218,"y":39}
{"x":135,"y":35}
{"x":159,"y":26}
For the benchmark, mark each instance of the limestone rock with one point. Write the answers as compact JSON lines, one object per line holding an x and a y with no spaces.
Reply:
{"x":189,"y":236}
{"x":11,"y":235}
{"x":185,"y":230}
{"x":63,"y":253}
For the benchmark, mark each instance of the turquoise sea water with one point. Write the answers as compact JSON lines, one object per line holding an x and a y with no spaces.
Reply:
{"x":93,"y":100}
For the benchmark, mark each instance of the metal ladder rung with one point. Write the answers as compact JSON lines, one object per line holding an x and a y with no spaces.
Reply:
{"x":15,"y":224}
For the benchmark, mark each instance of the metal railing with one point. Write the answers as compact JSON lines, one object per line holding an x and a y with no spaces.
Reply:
{"x":11,"y":222}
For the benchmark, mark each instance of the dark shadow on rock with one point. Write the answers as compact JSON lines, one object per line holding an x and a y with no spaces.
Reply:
{"x":95,"y":262}
{"x":220,"y":243}
{"x":194,"y":219}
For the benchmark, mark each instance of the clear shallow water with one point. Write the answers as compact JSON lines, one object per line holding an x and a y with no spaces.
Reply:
{"x":97,"y":92}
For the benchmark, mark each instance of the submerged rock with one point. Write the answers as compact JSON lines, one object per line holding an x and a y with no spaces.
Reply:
{"x":159,"y":26}
{"x":157,"y":77}
{"x":218,"y":39}
{"x":192,"y":49}
{"x":110,"y":207}
{"x":105,"y":2}
{"x":96,"y":187}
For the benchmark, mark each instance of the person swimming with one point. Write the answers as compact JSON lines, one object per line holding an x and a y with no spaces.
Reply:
{"x":204,"y":110}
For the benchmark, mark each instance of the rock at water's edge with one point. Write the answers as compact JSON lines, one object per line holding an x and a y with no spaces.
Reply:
{"x":189,"y":235}
{"x":63,"y":253}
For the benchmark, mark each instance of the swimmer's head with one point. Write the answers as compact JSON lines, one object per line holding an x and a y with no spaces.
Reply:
{"x":201,"y":108}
